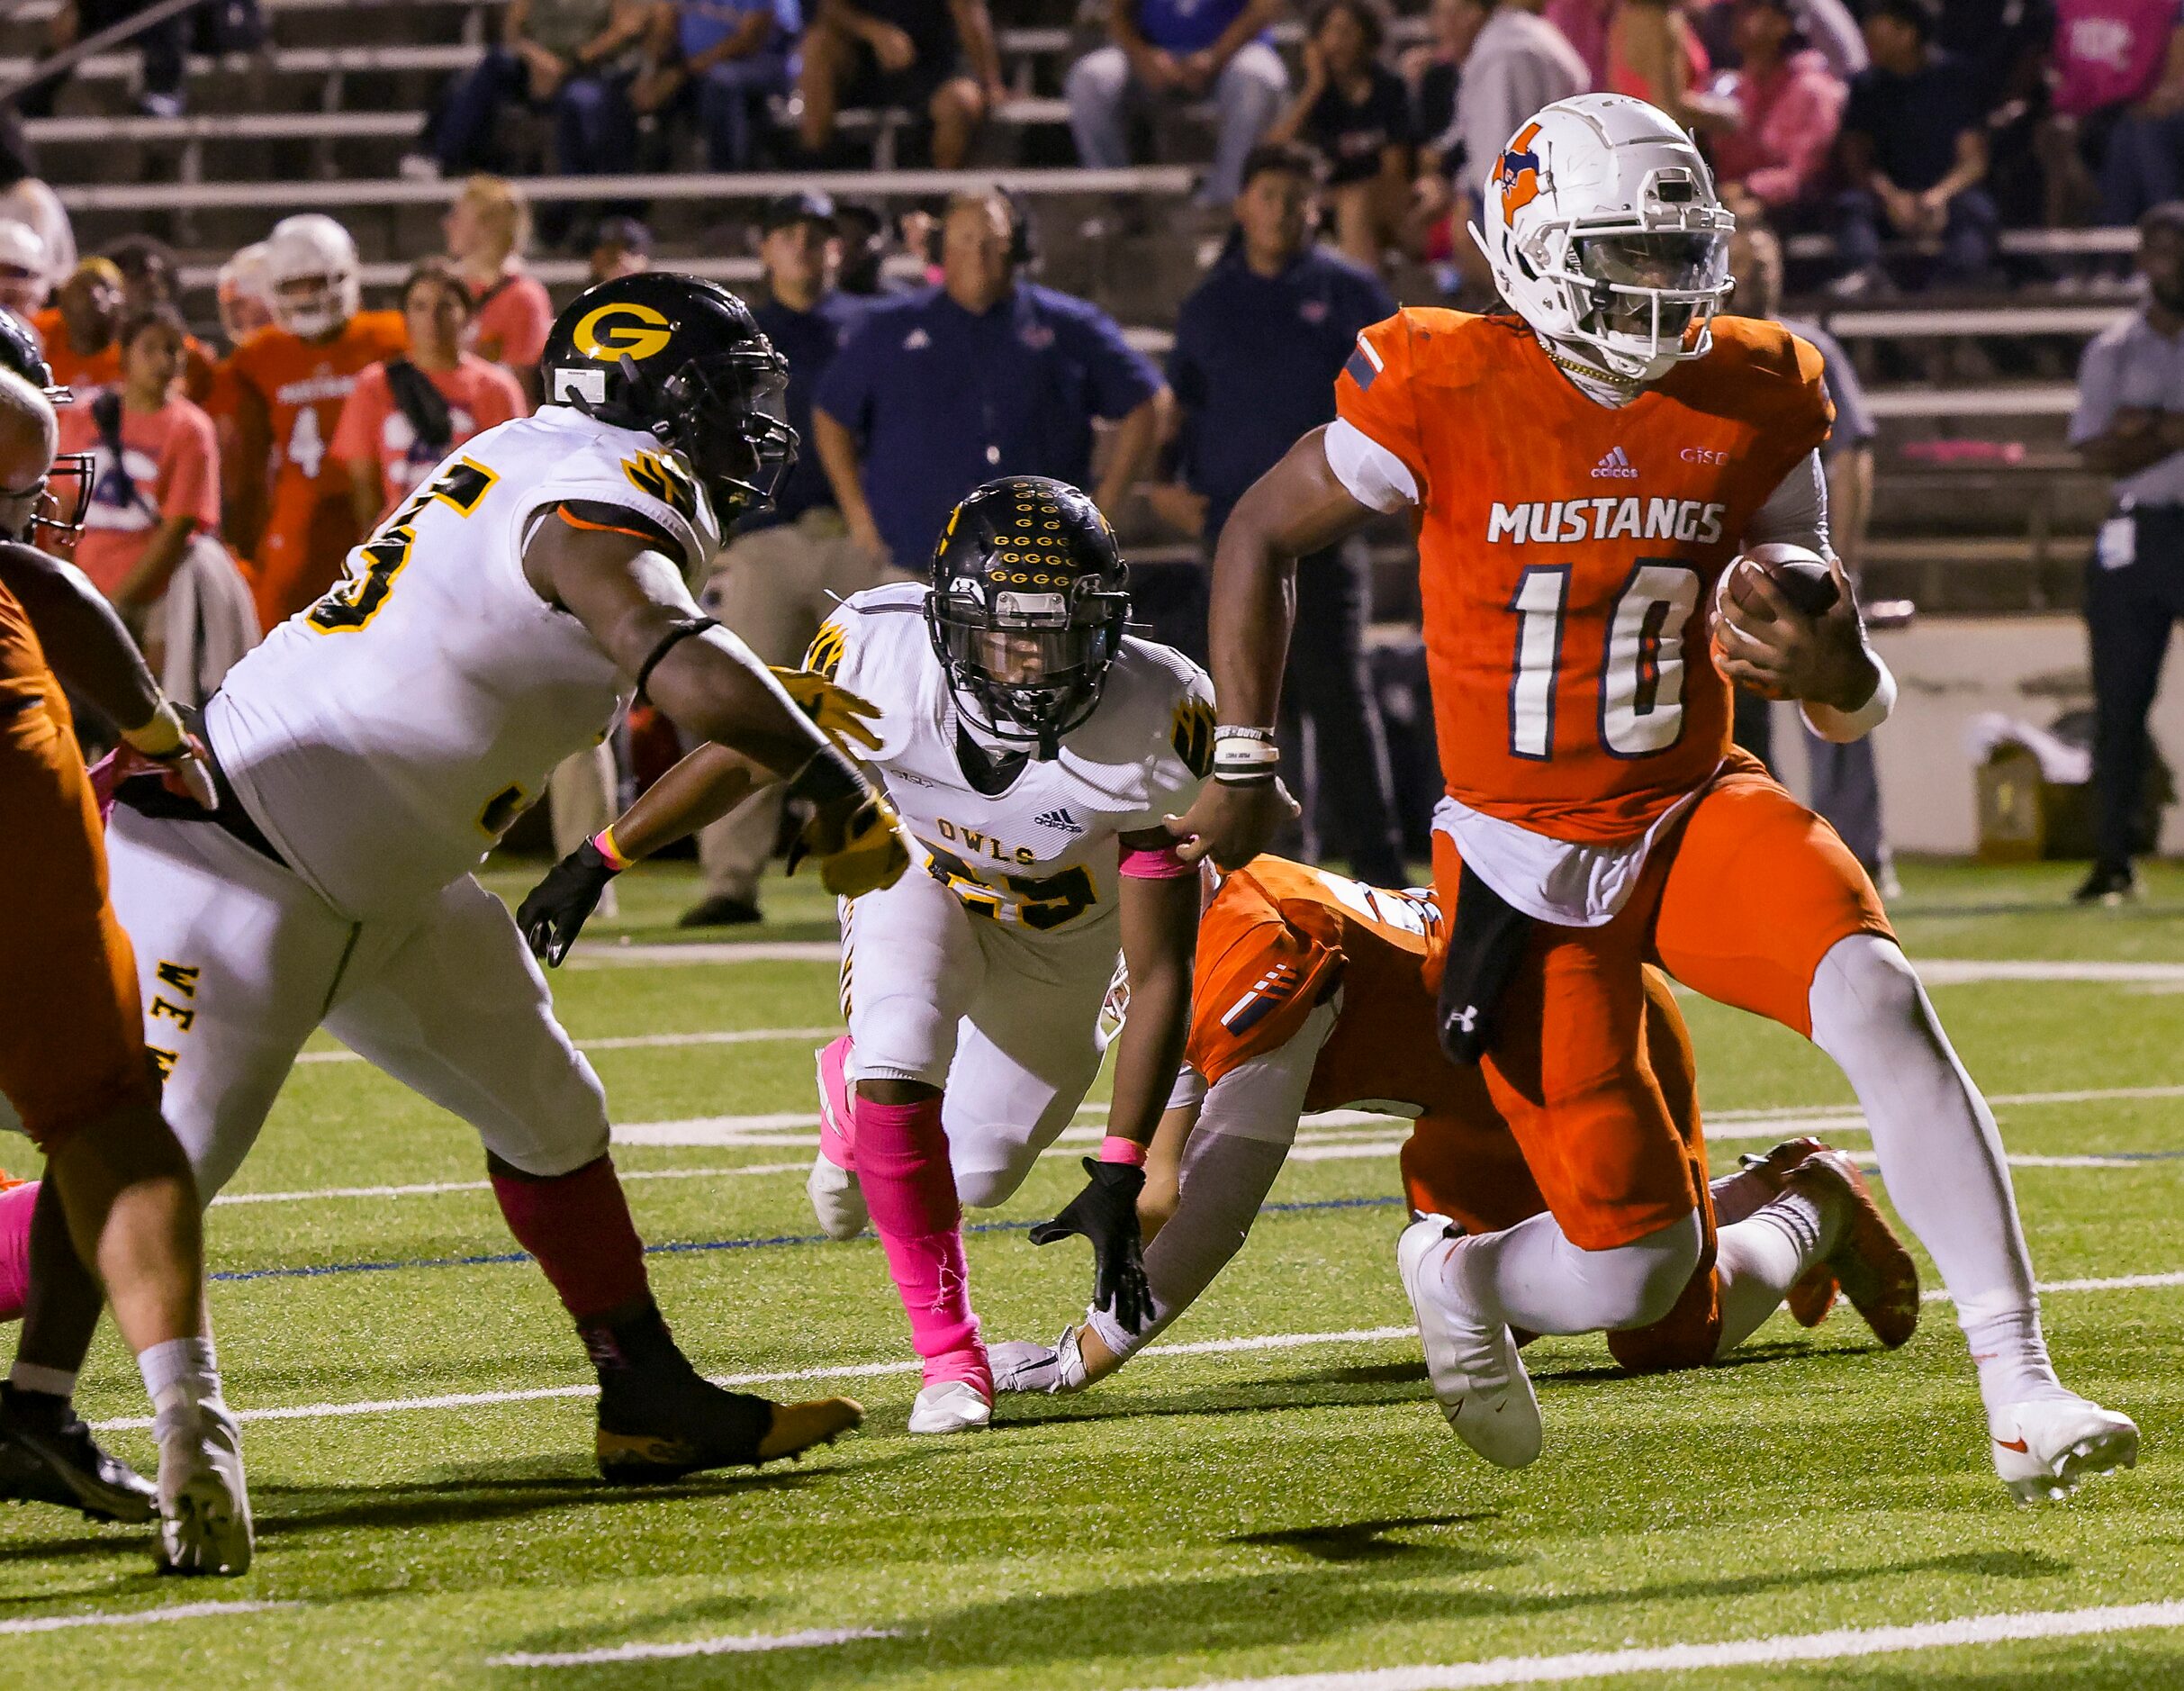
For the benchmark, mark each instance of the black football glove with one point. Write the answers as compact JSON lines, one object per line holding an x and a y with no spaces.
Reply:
{"x":1107,"y":1213}
{"x":554,"y":912}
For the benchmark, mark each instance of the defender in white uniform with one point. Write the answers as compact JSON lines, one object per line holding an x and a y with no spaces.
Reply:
{"x":375,"y":746}
{"x":1031,"y":750}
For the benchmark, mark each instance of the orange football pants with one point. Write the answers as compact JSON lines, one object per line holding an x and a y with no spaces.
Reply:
{"x":1467,"y":1165}
{"x":1740,"y":902}
{"x":71,"y":1024}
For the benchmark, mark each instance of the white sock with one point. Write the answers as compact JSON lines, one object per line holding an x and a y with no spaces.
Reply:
{"x":1531,"y":1276}
{"x":1940,"y":1155}
{"x":55,"y":1382}
{"x":1757,"y":1260}
{"x":179,"y":1374}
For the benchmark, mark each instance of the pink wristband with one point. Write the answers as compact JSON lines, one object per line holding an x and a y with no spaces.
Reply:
{"x":603,"y":844}
{"x":1161,"y":863}
{"x":1113,"y":1148}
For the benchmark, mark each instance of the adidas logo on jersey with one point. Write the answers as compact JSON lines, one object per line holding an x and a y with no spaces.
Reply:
{"x":1561,"y":521}
{"x":1060,"y":819}
{"x":1617,"y":463}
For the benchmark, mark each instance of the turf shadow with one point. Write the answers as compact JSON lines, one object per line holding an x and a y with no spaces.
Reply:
{"x":1367,"y":1540}
{"x":467,"y":1502}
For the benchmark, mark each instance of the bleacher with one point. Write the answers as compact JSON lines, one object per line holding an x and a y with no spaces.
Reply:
{"x":1979,"y":505}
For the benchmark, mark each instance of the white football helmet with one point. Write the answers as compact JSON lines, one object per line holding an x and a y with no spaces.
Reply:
{"x":24,"y":275}
{"x":1605,"y":234}
{"x":312,"y":249}
{"x":246,"y":293}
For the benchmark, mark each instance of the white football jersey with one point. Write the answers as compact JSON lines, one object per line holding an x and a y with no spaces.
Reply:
{"x":384,"y":738}
{"x":1043,"y":854}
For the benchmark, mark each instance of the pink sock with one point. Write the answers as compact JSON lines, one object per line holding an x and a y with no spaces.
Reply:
{"x":578,"y":1226}
{"x":902,"y":1166}
{"x":15,"y":1205}
{"x":837,"y":1120}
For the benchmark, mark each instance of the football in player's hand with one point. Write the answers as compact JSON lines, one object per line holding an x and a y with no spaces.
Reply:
{"x":1797,"y":574}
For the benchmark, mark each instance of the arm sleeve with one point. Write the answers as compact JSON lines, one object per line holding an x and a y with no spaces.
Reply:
{"x":1373,"y":395}
{"x":2099,"y":391}
{"x":1796,"y":512}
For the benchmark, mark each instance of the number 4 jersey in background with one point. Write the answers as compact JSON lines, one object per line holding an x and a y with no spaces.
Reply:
{"x":309,"y":522}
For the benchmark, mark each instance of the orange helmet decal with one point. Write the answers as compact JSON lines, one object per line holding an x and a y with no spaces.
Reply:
{"x":1517,"y":171}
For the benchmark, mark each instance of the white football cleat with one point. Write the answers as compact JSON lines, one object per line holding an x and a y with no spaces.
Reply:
{"x":2046,"y":1447}
{"x":1056,"y":1370}
{"x":837,"y":1200}
{"x":951,"y":1405}
{"x":204,"y":1504}
{"x":1478,"y":1377}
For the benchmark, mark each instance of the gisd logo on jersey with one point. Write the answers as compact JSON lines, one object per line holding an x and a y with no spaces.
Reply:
{"x":1517,"y":172}
{"x":1191,"y":736}
{"x":826,"y":648}
{"x":665,"y":480}
{"x":625,"y":326}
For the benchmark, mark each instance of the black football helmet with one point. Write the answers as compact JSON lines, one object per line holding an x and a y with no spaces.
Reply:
{"x":66,"y":500}
{"x":1030,"y":595}
{"x":684,"y":360}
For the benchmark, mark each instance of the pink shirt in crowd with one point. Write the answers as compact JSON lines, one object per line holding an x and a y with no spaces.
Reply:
{"x":2108,"y":52}
{"x":1585,"y":24}
{"x":1790,"y":121}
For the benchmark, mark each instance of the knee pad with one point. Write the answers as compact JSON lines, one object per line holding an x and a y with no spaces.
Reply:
{"x":1864,"y":979}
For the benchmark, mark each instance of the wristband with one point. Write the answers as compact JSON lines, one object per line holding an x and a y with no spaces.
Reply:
{"x":603,"y":844}
{"x":1114,"y":1148}
{"x":163,"y":736}
{"x":1245,"y":762}
{"x":1237,"y":731}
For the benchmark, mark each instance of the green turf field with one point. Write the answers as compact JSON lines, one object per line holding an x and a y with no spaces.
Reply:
{"x":1212,"y":1515}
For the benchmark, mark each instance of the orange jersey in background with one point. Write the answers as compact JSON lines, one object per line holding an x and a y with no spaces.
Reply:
{"x":102,"y":368}
{"x":1568,"y":553}
{"x":310,"y":523}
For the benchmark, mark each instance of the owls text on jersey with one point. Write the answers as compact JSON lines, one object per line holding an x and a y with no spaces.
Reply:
{"x":1045,"y":853}
{"x":386,"y":737}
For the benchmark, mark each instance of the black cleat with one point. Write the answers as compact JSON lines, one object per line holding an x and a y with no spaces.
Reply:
{"x":720,"y":911}
{"x":660,"y":1420}
{"x":2109,"y":883}
{"x":47,"y":1455}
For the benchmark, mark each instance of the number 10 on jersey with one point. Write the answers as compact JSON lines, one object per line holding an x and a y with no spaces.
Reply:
{"x":1641,"y":663}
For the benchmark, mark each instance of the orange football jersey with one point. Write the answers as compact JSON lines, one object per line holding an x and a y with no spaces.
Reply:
{"x":310,"y":524}
{"x":1568,"y":553}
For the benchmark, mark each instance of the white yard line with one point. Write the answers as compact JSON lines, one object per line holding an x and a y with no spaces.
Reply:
{"x":138,"y":1617}
{"x":606,"y":954}
{"x":873,"y":1370}
{"x":433,"y":1188}
{"x":649,"y":1042}
{"x":1977,"y":970}
{"x":748,"y":1645}
{"x":1843,"y":1645}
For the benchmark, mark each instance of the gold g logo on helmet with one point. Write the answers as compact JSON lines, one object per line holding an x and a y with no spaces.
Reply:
{"x":624,"y":327}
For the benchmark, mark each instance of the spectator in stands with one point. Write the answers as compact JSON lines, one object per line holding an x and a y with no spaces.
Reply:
{"x":161,"y":45}
{"x":406,"y":414}
{"x":24,"y":198}
{"x":151,"y":282}
{"x":984,"y":375}
{"x":1519,"y":63}
{"x":620,"y":247}
{"x":867,"y":238}
{"x":1259,"y":344}
{"x":1843,"y":779}
{"x":1355,"y":113}
{"x":156,"y":481}
{"x":2130,"y":425}
{"x":1654,"y":55}
{"x":1790,"y":105}
{"x":24,"y":282}
{"x":788,"y":566}
{"x":1913,"y":150}
{"x":1433,"y":69}
{"x":1584,"y":25}
{"x":724,"y":60}
{"x":79,"y":326}
{"x":1180,"y":49}
{"x":487,"y":229}
{"x":2115,"y":135}
{"x":574,"y":58}
{"x":935,"y":58}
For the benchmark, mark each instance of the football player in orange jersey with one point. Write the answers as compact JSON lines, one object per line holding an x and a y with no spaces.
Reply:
{"x":1582,"y":471}
{"x":288,"y":507}
{"x":1315,"y":992}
